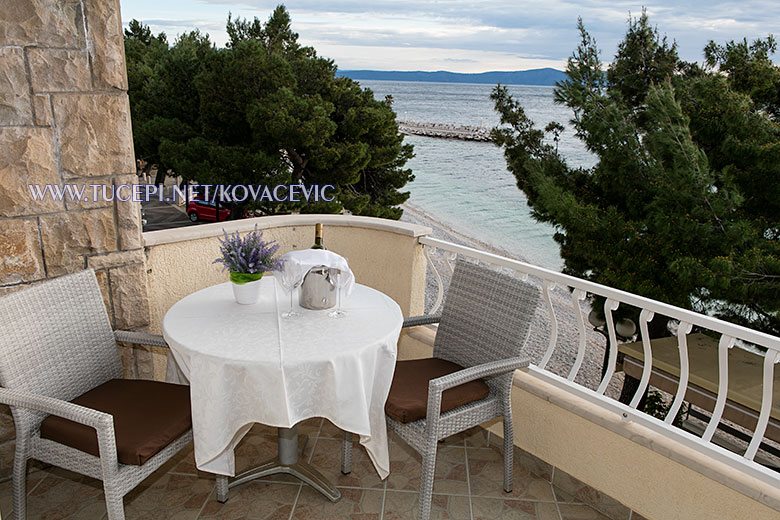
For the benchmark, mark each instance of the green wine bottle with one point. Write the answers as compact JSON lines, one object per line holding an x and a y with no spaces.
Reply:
{"x":318,"y":237}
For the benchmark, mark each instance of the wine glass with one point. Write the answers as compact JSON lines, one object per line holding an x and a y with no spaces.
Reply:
{"x":290,"y":278}
{"x":340,"y":280}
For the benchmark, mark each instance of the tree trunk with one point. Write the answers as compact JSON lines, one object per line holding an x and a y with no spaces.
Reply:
{"x":630,"y":386}
{"x":299,"y":165}
{"x":160,"y":177}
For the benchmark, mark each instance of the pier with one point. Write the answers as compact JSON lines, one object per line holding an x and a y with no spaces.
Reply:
{"x":445,"y":130}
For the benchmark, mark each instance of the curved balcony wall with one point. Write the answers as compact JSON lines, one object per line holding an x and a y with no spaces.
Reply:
{"x":383,"y":254}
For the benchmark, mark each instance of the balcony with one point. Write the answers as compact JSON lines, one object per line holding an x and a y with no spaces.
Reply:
{"x":580,"y":453}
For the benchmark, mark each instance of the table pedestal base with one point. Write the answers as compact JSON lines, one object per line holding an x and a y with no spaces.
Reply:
{"x":286,"y":462}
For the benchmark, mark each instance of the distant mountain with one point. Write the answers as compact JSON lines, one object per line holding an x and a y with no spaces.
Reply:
{"x":545,"y":76}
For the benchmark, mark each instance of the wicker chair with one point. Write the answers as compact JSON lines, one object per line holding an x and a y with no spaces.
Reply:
{"x":483,"y":327}
{"x":56,"y":346}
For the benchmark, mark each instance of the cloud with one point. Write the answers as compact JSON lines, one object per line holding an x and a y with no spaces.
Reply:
{"x":457,"y":32}
{"x":187,"y":25}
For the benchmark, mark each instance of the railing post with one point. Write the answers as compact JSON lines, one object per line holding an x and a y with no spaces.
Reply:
{"x":682,"y":344}
{"x":770,"y":358}
{"x":439,"y":284}
{"x":547,"y":287}
{"x":725,"y":343}
{"x":610,"y":305}
{"x":576,"y":296}
{"x":644,"y":318}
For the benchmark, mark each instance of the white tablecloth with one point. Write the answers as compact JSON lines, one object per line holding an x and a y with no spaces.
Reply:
{"x":245,"y":364}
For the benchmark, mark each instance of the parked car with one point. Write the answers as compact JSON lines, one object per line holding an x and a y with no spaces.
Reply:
{"x":206,"y":210}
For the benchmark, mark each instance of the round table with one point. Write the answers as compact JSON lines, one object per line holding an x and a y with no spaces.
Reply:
{"x":246,"y":365}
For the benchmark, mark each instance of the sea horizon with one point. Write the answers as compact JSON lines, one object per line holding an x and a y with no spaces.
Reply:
{"x":546,"y":76}
{"x":465,"y":185}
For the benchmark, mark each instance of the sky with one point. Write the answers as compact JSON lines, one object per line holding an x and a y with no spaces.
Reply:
{"x":467,"y":35}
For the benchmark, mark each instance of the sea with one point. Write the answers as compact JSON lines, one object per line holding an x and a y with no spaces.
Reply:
{"x":465,"y":185}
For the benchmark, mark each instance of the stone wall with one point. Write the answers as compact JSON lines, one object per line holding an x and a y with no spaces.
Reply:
{"x":65,"y":119}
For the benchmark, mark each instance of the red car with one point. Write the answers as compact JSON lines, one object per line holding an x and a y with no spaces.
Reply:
{"x":205,"y":210}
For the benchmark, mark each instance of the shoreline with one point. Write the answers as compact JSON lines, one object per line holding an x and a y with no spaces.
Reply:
{"x":418,"y":215}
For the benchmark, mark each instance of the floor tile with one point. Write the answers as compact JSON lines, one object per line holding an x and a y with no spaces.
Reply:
{"x":63,"y":494}
{"x":479,"y":437}
{"x":264,"y":429}
{"x":6,"y":499}
{"x":168,"y":496}
{"x":533,"y":464}
{"x":400,"y":505}
{"x":34,"y":478}
{"x":571,"y":490}
{"x":256,"y":500}
{"x":505,"y":509}
{"x":327,"y":460}
{"x":183,"y":462}
{"x":356,"y":504}
{"x":486,"y":472}
{"x":406,"y":466}
{"x":260,"y":446}
{"x":330,"y":431}
{"x":459,"y":439}
{"x":579,"y":512}
{"x":469,"y":462}
{"x":255,"y":449}
{"x":310,"y":427}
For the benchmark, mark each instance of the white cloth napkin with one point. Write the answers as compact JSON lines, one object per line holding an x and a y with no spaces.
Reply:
{"x":308,"y":258}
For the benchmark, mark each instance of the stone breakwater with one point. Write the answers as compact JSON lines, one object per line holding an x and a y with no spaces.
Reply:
{"x":445,"y":131}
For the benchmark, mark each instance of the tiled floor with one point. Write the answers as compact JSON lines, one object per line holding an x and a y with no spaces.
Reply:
{"x":468,"y":485}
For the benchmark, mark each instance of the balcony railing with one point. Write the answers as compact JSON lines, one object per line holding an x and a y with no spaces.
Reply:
{"x":580,"y":289}
{"x":564,"y":387}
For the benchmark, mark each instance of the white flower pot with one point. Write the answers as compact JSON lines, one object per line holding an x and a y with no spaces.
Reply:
{"x":247,"y":293}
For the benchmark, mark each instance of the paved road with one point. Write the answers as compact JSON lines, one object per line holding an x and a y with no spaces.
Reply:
{"x":164,"y":215}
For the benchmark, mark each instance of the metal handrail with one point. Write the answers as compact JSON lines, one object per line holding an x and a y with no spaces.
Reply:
{"x":615,"y":297}
{"x":694,"y":318}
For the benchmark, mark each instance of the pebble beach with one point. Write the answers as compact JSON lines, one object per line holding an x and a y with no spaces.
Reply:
{"x":539,"y":337}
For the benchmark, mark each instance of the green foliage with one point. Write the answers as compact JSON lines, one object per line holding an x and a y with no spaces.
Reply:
{"x":656,"y":405}
{"x":682,"y":204}
{"x":143,"y":52}
{"x":643,"y":59}
{"x":266,"y":110}
{"x":749,"y":70}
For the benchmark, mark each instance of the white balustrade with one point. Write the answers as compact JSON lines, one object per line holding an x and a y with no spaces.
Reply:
{"x":581,"y":289}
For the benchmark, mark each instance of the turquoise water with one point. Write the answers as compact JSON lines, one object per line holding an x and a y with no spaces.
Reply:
{"x":465,"y":185}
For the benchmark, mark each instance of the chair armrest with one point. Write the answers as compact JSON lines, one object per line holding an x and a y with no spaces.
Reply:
{"x":53,"y":406}
{"x":414,"y":321}
{"x":440,"y":384}
{"x":494,"y":368}
{"x":102,"y":422}
{"x":140,"y":338}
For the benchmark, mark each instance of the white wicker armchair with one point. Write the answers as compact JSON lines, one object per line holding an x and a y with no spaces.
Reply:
{"x":482,"y":329}
{"x":56,"y":346}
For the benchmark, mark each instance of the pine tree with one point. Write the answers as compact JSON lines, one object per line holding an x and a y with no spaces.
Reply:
{"x":682,"y":204}
{"x":267,"y":110}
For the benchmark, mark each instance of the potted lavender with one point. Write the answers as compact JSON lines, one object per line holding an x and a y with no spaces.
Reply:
{"x":247,"y":259}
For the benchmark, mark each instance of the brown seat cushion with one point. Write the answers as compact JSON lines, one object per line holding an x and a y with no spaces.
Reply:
{"x":408,"y":399}
{"x":148,"y":415}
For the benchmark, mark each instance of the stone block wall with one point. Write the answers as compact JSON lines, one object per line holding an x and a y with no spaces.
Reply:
{"x":65,"y":119}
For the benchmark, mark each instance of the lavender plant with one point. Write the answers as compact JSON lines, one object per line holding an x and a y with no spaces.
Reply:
{"x":247,"y":258}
